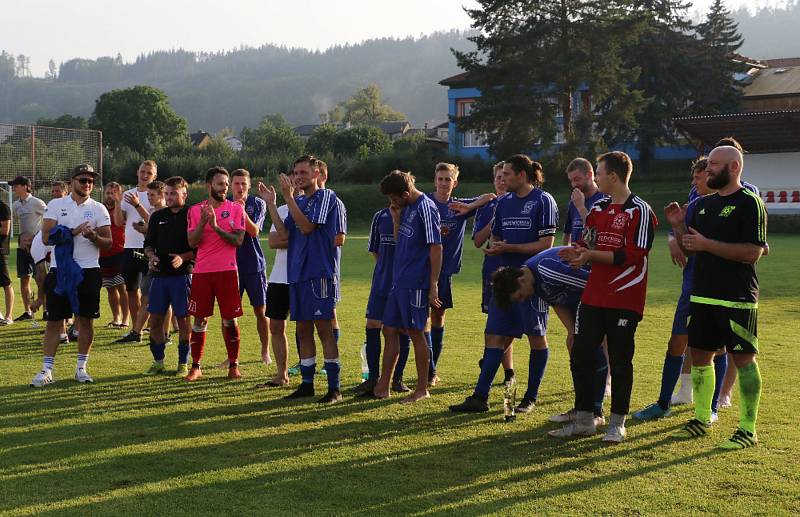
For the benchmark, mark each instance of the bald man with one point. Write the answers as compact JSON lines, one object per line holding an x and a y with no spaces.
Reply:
{"x":726,"y":232}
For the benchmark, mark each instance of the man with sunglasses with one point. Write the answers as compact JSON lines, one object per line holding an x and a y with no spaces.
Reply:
{"x":81,"y":225}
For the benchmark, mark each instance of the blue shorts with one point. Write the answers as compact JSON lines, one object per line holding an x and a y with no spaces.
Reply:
{"x":528,"y":317}
{"x":406,"y":309}
{"x":445,"y":292}
{"x":376,"y":305}
{"x":312,"y":300}
{"x":256,"y":286}
{"x":680,"y":323}
{"x":166,"y":291}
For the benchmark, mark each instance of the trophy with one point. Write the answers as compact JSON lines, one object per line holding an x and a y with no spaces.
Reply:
{"x":509,"y":400}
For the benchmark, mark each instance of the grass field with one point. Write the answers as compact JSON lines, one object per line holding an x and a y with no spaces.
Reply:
{"x":157,"y":446}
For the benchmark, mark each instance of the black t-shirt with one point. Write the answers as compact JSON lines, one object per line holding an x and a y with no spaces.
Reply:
{"x":167,"y":233}
{"x":737,"y":218}
{"x":5,"y":215}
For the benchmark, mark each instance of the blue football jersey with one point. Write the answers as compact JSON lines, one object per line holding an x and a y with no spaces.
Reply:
{"x":313,"y":256}
{"x":554,"y":281}
{"x":341,"y":228}
{"x":574,"y":223}
{"x":521,"y":220}
{"x":483,"y":217}
{"x":250,"y":256}
{"x":382,"y":243}
{"x":419,"y":228}
{"x":453,"y":228}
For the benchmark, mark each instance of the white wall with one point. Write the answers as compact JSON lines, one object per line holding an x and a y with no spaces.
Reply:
{"x":773,"y":170}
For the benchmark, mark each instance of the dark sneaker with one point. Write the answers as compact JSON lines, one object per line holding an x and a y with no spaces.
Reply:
{"x":526,"y":405}
{"x":366,"y":386}
{"x":400,"y":387}
{"x":24,"y":316}
{"x":332,"y":397}
{"x":130,"y":337}
{"x":694,"y":428}
{"x":304,"y":390}
{"x":472,"y":404}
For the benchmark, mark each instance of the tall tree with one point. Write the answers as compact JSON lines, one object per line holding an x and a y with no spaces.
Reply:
{"x":139,"y":118}
{"x":64,"y":121}
{"x":366,"y":106}
{"x":532,"y":59}
{"x":52,"y":69}
{"x":273,"y":137}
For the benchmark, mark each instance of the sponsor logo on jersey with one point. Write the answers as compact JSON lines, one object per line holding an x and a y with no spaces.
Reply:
{"x":727,"y":211}
{"x":623,"y":322}
{"x":517,"y":223}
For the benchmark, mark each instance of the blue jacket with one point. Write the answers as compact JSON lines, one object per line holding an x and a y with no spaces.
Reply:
{"x":68,"y":273}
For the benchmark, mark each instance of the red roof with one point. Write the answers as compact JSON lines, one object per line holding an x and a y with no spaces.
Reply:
{"x":461,"y":79}
{"x":782,"y":62}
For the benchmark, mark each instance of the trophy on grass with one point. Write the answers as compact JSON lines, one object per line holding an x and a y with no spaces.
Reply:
{"x":510,"y":399}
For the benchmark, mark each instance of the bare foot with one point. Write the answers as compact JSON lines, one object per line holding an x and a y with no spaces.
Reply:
{"x":223,"y":364}
{"x":415,"y":397}
{"x":283,"y":381}
{"x":380,"y":394}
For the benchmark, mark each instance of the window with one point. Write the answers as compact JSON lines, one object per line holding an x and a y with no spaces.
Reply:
{"x":471,"y":138}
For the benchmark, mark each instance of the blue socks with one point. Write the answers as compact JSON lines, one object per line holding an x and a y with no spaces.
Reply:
{"x":157,"y":349}
{"x":183,"y":352}
{"x":308,"y":368}
{"x":437,"y":336}
{"x":669,"y":378}
{"x":405,"y":346}
{"x":374,"y":353}
{"x":537,"y":362}
{"x":720,"y":367}
{"x":492,"y":357}
{"x":600,"y":376}
{"x":332,"y":368}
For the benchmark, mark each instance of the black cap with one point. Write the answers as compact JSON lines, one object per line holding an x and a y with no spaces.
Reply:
{"x":20,"y":180}
{"x":83,"y":168}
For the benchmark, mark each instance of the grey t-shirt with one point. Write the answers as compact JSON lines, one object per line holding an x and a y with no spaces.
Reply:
{"x":30,"y":212}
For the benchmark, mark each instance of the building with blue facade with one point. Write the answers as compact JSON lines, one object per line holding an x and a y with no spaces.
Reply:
{"x":461,"y":95}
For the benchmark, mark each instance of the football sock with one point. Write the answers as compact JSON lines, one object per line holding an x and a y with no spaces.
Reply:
{"x":48,"y":362}
{"x":670,"y":374}
{"x":82,"y":358}
{"x":308,"y":367}
{"x":720,"y":367}
{"x":332,"y":368}
{"x":373,"y":352}
{"x":600,"y":375}
{"x":750,"y":393}
{"x":157,"y":349}
{"x":437,"y":336}
{"x":492,"y":357}
{"x":402,"y":358}
{"x":703,"y":390}
{"x":183,"y":352}
{"x":232,"y":342}
{"x":537,"y":362}
{"x":198,"y":344}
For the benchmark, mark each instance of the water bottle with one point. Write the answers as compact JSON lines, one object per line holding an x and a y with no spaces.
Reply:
{"x":510,"y":400}
{"x":364,"y":364}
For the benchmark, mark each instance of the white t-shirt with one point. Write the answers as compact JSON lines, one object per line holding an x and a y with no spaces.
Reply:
{"x":65,"y":211}
{"x":134,"y":239}
{"x":39,"y":251}
{"x":278,"y":273}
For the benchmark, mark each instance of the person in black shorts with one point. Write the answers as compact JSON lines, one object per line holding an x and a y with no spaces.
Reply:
{"x":5,"y":279}
{"x":727,"y":232}
{"x":78,"y":227}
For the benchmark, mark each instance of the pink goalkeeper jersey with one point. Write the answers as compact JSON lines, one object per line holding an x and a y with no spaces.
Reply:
{"x":214,"y":253}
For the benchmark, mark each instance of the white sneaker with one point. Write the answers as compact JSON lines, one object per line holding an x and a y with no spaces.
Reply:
{"x":682,"y":397}
{"x":615,"y":434}
{"x":6,"y":321}
{"x":572,"y":429}
{"x":567,"y":416}
{"x":81,"y":375}
{"x":724,"y":401}
{"x":42,"y":379}
{"x":714,"y":417}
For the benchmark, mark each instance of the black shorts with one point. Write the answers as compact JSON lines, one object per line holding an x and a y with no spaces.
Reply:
{"x":712,"y":327}
{"x":277,"y":301}
{"x":5,"y":279}
{"x":134,"y":267}
{"x":25,"y":264}
{"x":59,"y":308}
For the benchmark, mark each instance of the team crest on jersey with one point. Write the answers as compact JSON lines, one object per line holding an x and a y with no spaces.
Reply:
{"x":87,"y":214}
{"x":411,"y":216}
{"x":250,"y":210}
{"x":619,"y":221}
{"x":225,"y":214}
{"x":527,"y":208}
{"x":727,"y":211}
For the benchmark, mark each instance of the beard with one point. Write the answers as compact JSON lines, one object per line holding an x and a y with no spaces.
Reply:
{"x":219,"y":196}
{"x":721,"y":180}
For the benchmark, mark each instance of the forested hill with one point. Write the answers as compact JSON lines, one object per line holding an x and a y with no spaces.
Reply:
{"x":235,"y":89}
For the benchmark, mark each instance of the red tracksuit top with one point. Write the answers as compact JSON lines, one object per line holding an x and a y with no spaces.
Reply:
{"x":628,"y":231}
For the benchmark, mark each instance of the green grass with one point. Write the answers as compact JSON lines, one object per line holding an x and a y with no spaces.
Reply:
{"x":155,"y":446}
